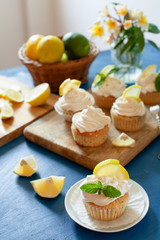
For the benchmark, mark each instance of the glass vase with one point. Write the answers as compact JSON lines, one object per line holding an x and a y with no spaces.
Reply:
{"x":130,"y":64}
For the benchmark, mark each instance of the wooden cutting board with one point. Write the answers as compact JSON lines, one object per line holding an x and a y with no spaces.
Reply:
{"x":24,"y":114}
{"x":53,"y":132}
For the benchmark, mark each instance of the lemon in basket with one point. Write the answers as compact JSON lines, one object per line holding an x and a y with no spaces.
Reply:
{"x":50,"y":49}
{"x":31,"y":46}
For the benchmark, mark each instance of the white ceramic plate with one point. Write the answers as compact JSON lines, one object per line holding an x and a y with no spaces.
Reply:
{"x":137,"y":208}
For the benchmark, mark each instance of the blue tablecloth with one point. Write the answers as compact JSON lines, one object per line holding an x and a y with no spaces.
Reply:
{"x":25,"y":215}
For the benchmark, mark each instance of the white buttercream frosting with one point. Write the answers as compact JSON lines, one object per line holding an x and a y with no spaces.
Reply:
{"x":102,"y":200}
{"x":111,"y":87}
{"x":75,"y":100}
{"x":90,"y":120}
{"x":147,"y":82}
{"x":128,"y":107}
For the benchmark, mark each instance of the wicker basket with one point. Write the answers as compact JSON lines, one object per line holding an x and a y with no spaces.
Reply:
{"x":56,"y":73}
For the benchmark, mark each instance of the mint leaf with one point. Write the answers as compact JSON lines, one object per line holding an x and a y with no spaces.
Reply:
{"x":157,"y":83}
{"x":110,"y":191}
{"x":89,"y":188}
{"x":103,"y":77}
{"x":99,"y":187}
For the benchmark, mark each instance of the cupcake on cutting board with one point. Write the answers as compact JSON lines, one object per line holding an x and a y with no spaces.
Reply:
{"x":90,"y":127}
{"x":105,"y":194}
{"x":106,"y":88}
{"x":73,"y":99}
{"x":150,"y":82}
{"x":128,"y":111}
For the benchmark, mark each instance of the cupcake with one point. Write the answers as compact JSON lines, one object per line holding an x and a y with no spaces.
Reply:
{"x":72,"y":102}
{"x":149,"y":80}
{"x":128,"y":114}
{"x":90,"y":127}
{"x":106,"y":93}
{"x":100,"y":205}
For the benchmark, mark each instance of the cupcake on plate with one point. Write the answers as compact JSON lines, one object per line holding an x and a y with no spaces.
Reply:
{"x":150,"y":82}
{"x":128,"y":112}
{"x":90,"y":127}
{"x":106,"y":88}
{"x":106,"y":197}
{"x":73,"y":100}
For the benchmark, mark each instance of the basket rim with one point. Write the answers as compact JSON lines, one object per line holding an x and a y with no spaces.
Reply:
{"x":94,"y":51}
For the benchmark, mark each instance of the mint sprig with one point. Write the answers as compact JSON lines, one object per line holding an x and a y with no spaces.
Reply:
{"x":108,"y":190}
{"x":157,"y":83}
{"x":103,"y":76}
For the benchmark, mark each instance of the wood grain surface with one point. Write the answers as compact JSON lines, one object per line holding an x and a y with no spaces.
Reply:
{"x":24,"y":114}
{"x":53,"y":132}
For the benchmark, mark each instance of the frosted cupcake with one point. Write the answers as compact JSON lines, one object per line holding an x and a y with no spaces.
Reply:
{"x":105,"y":92}
{"x":90,"y":127}
{"x":128,"y":114}
{"x":150,"y":82}
{"x":72,"y":102}
{"x":105,"y":198}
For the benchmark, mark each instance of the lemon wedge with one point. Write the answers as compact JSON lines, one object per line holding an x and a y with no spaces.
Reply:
{"x":105,"y":70}
{"x":67,"y":85}
{"x":49,"y":187}
{"x":2,"y":93}
{"x":6,"y":111}
{"x":111,"y":168}
{"x":123,"y":140}
{"x":14,"y":96}
{"x":149,"y":70}
{"x":26,"y":167}
{"x":132,"y":92}
{"x":38,"y":95}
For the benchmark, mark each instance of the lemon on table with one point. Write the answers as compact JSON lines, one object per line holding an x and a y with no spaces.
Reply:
{"x":49,"y":187}
{"x":111,"y":168}
{"x":14,"y":96}
{"x":149,"y":70}
{"x":50,"y":49}
{"x":133,"y":92}
{"x":6,"y":111}
{"x":26,"y":167}
{"x":38,"y":95}
{"x":105,"y":70}
{"x":67,"y":85}
{"x":31,"y":46}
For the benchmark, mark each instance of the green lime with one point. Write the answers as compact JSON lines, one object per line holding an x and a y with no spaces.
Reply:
{"x":76,"y":45}
{"x":64,"y":58}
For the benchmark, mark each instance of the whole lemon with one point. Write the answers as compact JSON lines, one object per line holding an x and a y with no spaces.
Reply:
{"x":31,"y":46}
{"x":50,"y":49}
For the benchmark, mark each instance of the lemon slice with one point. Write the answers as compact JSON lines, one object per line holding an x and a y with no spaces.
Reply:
{"x":123,"y":140}
{"x":67,"y":85}
{"x":48,"y":187}
{"x":14,"y":96}
{"x":38,"y":95}
{"x":105,"y":70}
{"x":111,"y":168}
{"x":2,"y":93}
{"x":26,"y":167}
{"x":132,"y":92}
{"x":6,"y":111}
{"x":149,"y":70}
